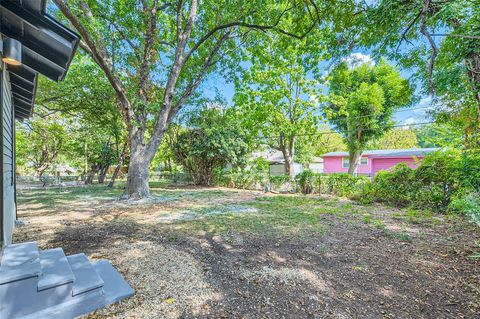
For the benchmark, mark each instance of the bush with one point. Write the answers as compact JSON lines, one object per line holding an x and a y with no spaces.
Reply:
{"x":432,"y":185}
{"x":243,"y":179}
{"x":444,"y":181}
{"x":437,"y":179}
{"x":468,"y":205}
{"x":364,"y":193}
{"x":279,"y":181}
{"x":469,"y":167}
{"x":305,"y":180}
{"x":395,"y":186}
{"x":343,"y":184}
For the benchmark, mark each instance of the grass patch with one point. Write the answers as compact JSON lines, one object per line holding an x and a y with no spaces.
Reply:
{"x":267,"y":215}
{"x":414,"y":216}
{"x":367,"y":218}
{"x":52,"y":197}
{"x":378,"y":223}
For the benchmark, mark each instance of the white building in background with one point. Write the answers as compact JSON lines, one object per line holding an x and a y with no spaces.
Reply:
{"x":277,"y":163}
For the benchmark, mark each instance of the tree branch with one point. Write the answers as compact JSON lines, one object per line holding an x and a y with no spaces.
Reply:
{"x":98,"y":51}
{"x":124,"y":37}
{"x":193,"y":85}
{"x":259,"y":27}
{"x":424,"y":31}
{"x":407,"y":30}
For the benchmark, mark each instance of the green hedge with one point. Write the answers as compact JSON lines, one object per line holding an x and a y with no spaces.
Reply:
{"x":340,"y":184}
{"x":444,"y":181}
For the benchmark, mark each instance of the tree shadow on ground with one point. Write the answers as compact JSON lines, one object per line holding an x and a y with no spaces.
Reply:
{"x":352,"y":271}
{"x":90,"y":236}
{"x":348,"y":273}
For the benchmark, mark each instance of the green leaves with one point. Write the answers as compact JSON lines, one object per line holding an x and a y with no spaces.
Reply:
{"x":277,"y":93}
{"x":216,"y":138}
{"x":393,"y":28}
{"x":362,"y":100}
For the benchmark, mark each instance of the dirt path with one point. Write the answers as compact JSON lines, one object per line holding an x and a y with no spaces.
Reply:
{"x":363,"y":262}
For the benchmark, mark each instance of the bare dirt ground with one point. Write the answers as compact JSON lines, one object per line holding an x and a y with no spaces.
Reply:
{"x":220,"y":253}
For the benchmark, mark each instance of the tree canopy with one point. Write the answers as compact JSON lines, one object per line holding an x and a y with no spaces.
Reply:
{"x":214,"y":139}
{"x":361,"y":103}
{"x":280,"y":96}
{"x":439,"y":41}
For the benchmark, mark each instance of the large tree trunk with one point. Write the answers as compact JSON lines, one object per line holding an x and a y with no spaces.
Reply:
{"x":139,"y":168}
{"x":137,"y":179}
{"x":289,"y":168}
{"x":102,"y":173}
{"x":288,"y":154}
{"x":115,"y":174}
{"x":92,"y":173}
{"x":353,"y":157}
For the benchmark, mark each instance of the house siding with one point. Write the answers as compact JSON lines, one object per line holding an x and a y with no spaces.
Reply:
{"x":8,"y":209}
{"x":316,"y":167}
{"x":382,"y":164}
{"x":333,"y":164}
{"x":279,"y":169}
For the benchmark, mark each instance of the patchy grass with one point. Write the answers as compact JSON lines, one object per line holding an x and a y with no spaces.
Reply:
{"x":266,"y":215}
{"x":53,"y":197}
{"x":215,"y":253}
{"x":415,"y":216}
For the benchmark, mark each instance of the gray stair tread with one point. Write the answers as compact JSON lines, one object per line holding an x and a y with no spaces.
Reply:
{"x":115,"y":288}
{"x":18,"y":254}
{"x":19,"y":261}
{"x":86,"y":278}
{"x":56,"y":269}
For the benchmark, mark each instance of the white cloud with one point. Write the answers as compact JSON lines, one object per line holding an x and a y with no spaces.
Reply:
{"x":355,"y":59}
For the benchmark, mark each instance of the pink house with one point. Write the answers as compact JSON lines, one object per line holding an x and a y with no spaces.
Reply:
{"x":373,"y":161}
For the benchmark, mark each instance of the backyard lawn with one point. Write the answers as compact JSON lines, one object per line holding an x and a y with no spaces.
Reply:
{"x":222,"y":253}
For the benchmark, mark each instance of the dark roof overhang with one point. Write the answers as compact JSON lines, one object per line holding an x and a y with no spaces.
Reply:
{"x":48,"y":48}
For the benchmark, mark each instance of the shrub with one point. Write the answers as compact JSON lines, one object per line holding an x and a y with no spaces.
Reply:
{"x":432,"y":185}
{"x":343,"y":184}
{"x":469,"y":205}
{"x":305,"y":180}
{"x":469,"y":166}
{"x":437,"y":179}
{"x":395,"y":186}
{"x":364,"y":191}
{"x":242,"y":179}
{"x":278,"y":181}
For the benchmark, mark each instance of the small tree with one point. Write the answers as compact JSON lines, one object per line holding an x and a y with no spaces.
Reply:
{"x":44,"y":140}
{"x":277,"y":93}
{"x":361,"y":103}
{"x":214,"y":140}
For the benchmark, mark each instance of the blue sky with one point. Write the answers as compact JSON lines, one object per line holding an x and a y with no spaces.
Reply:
{"x":414,"y":114}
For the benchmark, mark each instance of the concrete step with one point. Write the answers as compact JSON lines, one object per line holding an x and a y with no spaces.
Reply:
{"x":115,"y":288}
{"x":56,"y":269}
{"x":86,"y":278}
{"x":48,"y":284}
{"x":19,"y":261}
